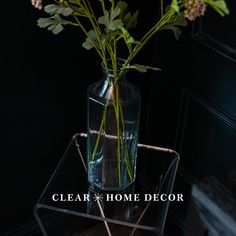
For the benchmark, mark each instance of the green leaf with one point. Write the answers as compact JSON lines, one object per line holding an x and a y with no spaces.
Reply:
{"x":53,"y":9}
{"x":78,"y":11}
{"x":123,"y":7}
{"x":109,"y":20}
{"x":174,"y":5}
{"x":114,"y":13}
{"x":127,"y":37}
{"x":175,"y":30}
{"x":60,"y":10}
{"x":178,"y":21}
{"x":87,"y":44}
{"x":52,"y":27}
{"x":115,"y":24}
{"x":67,"y":11}
{"x":181,"y":21}
{"x":130,"y":20}
{"x":58,"y":29}
{"x":219,"y":6}
{"x":143,"y":68}
{"x":54,"y":23}
{"x":91,"y":40}
{"x":104,"y":20}
{"x":130,"y":40}
{"x":44,"y":22}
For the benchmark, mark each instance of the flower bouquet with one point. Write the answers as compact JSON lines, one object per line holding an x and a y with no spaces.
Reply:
{"x":113,"y":103}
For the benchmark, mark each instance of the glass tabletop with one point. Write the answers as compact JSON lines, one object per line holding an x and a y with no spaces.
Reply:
{"x":70,"y":206}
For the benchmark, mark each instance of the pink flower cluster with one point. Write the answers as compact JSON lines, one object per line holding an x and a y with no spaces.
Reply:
{"x":194,"y":9}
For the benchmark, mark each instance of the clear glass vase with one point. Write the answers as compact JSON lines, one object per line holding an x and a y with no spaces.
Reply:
{"x":112,"y":129}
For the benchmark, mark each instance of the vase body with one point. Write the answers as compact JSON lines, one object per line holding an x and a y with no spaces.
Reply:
{"x":112,"y":129}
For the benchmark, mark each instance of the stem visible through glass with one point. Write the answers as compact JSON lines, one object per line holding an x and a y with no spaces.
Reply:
{"x":120,"y":127}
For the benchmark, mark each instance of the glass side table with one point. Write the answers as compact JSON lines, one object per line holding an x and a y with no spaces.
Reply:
{"x":69,"y":206}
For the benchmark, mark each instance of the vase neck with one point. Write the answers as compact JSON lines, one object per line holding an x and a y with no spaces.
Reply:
{"x":114,"y":77}
{"x":112,"y":72}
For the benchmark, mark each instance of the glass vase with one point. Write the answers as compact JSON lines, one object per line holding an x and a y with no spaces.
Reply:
{"x":112,"y":129}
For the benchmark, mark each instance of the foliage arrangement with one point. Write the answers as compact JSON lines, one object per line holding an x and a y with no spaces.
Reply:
{"x":112,"y":23}
{"x":107,"y":26}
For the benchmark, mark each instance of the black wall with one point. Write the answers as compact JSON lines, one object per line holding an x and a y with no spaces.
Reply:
{"x":42,"y":102}
{"x":195,"y":100}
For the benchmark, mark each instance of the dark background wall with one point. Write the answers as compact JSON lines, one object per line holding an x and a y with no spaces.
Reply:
{"x":190,"y":105}
{"x":195,"y":99}
{"x":43,"y":97}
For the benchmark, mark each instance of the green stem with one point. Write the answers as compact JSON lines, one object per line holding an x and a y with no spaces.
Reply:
{"x":115,"y":99}
{"x":118,"y":135}
{"x":117,"y":102}
{"x":100,"y":131}
{"x":93,"y":20}
{"x":129,"y":168}
{"x":103,"y":6}
{"x":112,"y":3}
{"x":164,"y":19}
{"x":162,"y":11}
